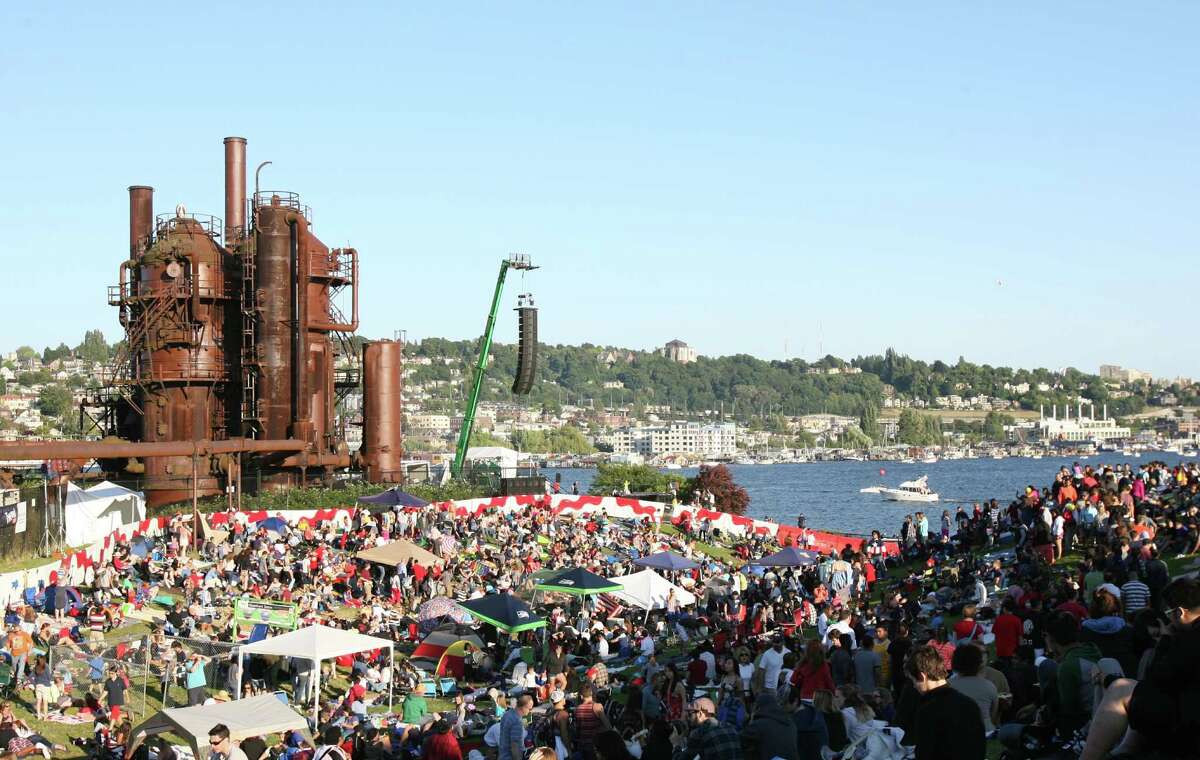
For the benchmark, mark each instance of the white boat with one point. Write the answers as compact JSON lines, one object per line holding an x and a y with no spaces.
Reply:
{"x":910,"y":490}
{"x":672,"y":466}
{"x":929,"y":459}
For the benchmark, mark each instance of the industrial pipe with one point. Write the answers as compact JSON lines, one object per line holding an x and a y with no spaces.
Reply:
{"x":141,"y":218}
{"x":235,"y":189}
{"x":297,"y":349}
{"x":115,"y":449}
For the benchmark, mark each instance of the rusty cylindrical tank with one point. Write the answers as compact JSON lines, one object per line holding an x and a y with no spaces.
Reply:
{"x":235,"y":189}
{"x":274,"y":252}
{"x":177,"y":337}
{"x":141,"y":217}
{"x":383,"y":371}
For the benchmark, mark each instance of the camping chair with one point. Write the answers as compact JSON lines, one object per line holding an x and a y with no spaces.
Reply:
{"x":6,"y":678}
{"x":257,"y":633}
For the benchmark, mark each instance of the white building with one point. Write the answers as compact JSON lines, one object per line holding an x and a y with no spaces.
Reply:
{"x":678,"y":351}
{"x":705,"y":440}
{"x":1079,"y":428}
{"x":1123,"y":374}
{"x":436,"y":424}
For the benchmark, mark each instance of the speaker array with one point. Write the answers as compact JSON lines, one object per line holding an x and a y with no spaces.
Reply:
{"x":526,"y":350}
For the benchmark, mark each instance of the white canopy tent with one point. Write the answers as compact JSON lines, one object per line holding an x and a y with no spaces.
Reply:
{"x":96,"y":512}
{"x":255,"y":716}
{"x":316,"y":643}
{"x":648,"y":590}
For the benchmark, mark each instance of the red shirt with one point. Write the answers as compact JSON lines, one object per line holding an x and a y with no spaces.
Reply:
{"x":1075,"y":608}
{"x":1007,"y":629}
{"x":808,"y":679}
{"x":965,"y":629}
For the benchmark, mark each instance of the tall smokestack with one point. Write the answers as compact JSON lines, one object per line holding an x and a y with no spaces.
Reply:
{"x":235,"y":189}
{"x":141,"y":217}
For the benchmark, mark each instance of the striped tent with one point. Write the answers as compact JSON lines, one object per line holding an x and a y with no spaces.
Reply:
{"x":442,"y":652}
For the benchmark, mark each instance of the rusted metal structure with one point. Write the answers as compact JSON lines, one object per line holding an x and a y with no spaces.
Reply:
{"x":382,"y":446}
{"x":229,"y":358}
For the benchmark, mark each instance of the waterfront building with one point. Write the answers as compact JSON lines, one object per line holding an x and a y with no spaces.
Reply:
{"x":705,"y":440}
{"x":1079,"y":428}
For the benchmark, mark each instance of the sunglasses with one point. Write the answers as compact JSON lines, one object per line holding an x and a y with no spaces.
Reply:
{"x":216,"y":742}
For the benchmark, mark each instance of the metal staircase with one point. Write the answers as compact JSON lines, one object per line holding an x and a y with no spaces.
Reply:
{"x":252,"y":416}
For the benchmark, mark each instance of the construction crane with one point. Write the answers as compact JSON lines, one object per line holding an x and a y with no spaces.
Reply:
{"x":517,"y":261}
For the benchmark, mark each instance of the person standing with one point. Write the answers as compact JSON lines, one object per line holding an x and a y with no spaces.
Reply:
{"x":868,"y":666}
{"x":590,"y":721}
{"x":512,"y":729}
{"x":947,"y":724}
{"x":196,"y":680}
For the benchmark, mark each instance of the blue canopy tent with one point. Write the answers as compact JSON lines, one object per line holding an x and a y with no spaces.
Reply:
{"x":666,"y":561}
{"x":789,"y":557}
{"x":393,"y":497}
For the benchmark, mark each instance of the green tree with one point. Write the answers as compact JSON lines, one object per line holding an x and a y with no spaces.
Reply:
{"x":993,"y":425}
{"x":25,"y":353}
{"x":641,"y":478}
{"x":54,"y":354}
{"x":93,"y":348}
{"x":869,"y":422}
{"x":55,"y":400}
{"x":484,"y":438}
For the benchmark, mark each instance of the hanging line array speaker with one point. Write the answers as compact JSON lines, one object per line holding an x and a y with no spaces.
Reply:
{"x":526,"y":350}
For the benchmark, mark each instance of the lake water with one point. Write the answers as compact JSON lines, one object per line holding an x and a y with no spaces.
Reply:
{"x":827,"y":493}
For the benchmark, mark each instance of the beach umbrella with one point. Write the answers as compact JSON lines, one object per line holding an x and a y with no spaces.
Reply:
{"x":666,"y":561}
{"x":577,"y":581}
{"x":440,"y":607}
{"x":789,"y":557}
{"x":505,"y":611}
{"x":392,"y":497}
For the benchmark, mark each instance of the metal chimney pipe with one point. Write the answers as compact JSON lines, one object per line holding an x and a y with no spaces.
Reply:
{"x":141,"y":217}
{"x":235,"y":189}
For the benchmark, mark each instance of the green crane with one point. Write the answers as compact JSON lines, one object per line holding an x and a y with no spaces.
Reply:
{"x":515,"y":261}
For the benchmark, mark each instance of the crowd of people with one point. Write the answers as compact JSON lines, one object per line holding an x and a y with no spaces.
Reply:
{"x":984,"y":628}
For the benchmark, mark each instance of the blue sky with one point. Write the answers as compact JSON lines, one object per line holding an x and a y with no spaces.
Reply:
{"x":1015,"y":182}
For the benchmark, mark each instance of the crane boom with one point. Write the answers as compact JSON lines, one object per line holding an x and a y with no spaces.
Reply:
{"x":515,"y":261}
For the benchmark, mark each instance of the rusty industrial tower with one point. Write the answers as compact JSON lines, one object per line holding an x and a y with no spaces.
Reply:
{"x":229,"y":370}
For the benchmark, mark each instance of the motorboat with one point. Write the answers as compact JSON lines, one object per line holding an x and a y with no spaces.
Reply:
{"x":910,"y":490}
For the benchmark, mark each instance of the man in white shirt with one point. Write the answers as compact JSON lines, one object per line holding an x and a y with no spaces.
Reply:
{"x":771,"y":663}
{"x":840,"y":627}
{"x":647,"y":644}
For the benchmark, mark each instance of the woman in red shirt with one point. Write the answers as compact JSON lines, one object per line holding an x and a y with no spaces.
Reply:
{"x":813,"y":672}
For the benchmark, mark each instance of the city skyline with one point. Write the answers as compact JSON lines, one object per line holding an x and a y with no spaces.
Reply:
{"x":1010,"y":184}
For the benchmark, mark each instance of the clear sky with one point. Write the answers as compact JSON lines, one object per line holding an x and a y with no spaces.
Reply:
{"x":1011,"y":182}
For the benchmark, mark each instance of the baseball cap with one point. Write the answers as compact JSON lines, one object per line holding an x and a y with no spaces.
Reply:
{"x":1110,"y":588}
{"x":557,"y":696}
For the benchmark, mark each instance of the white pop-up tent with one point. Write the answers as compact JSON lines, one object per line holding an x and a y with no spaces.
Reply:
{"x":254,"y":716}
{"x":96,"y":512}
{"x":316,"y":643}
{"x":648,"y":590}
